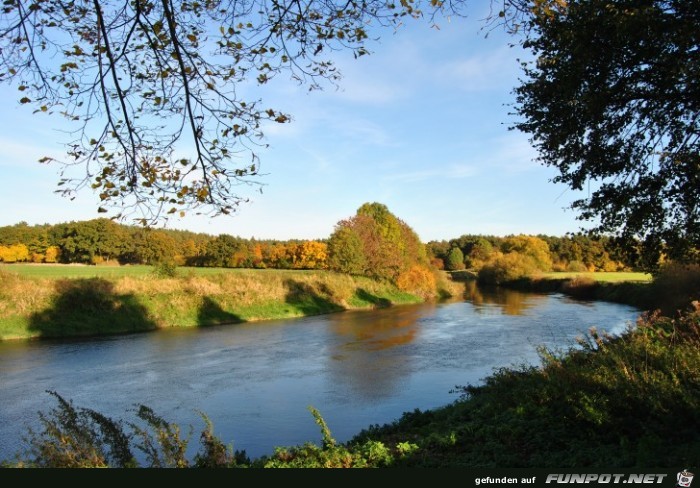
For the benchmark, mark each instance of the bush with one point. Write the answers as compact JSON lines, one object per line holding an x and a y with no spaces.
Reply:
{"x":455,"y":260}
{"x":576,"y":267}
{"x":508,"y":267}
{"x":166,"y":269}
{"x":676,"y":285}
{"x":418,"y":280}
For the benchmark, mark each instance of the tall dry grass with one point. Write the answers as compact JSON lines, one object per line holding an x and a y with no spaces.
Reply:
{"x":185,"y":300}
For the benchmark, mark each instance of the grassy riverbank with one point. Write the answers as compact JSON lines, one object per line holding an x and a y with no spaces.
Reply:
{"x":670,"y":291}
{"x":55,"y":301}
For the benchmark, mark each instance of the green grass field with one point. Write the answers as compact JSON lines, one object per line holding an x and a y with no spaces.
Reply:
{"x":83,"y":271}
{"x":602,"y":277}
{"x":62,"y":271}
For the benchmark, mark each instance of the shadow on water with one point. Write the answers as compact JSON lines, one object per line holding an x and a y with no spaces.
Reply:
{"x":90,"y":307}
{"x":309,"y":300}
{"x":366,"y":296}
{"x":211,"y":313}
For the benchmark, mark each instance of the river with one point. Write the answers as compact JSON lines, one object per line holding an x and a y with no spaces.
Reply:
{"x":256,"y":380}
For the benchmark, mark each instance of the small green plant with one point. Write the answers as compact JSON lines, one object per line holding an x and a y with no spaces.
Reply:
{"x":165,"y":269}
{"x":214,"y":453}
{"x":161,"y":441}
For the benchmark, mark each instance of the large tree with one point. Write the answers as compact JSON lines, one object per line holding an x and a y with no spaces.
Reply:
{"x":613,"y":102}
{"x":158,"y":95}
{"x":375,"y":243}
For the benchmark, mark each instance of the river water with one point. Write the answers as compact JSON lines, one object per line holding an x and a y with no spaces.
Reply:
{"x":255,"y":381}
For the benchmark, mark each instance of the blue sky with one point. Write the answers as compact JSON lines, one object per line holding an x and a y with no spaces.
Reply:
{"x":421,"y":125}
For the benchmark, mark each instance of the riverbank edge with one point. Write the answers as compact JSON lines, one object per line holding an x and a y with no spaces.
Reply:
{"x":38,"y":308}
{"x":670,"y":293}
{"x":637,"y":294}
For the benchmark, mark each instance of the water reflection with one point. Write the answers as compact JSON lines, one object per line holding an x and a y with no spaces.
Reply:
{"x":509,"y":302}
{"x":371,"y":351}
{"x":379,"y":329}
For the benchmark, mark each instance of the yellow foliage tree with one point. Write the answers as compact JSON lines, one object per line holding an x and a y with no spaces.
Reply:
{"x":14,"y":254}
{"x":531,"y":246}
{"x":52,"y":254}
{"x":311,"y":255}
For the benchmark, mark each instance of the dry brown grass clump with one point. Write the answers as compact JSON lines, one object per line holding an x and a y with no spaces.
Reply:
{"x":20,"y":296}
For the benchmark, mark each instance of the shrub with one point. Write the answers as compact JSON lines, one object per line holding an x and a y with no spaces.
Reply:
{"x":165,"y":269}
{"x":418,"y":280}
{"x":508,"y":267}
{"x":577,"y":267}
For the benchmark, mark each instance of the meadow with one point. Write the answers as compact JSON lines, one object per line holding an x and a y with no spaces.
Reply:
{"x":602,"y":277}
{"x":62,"y":271}
{"x":69,"y":300}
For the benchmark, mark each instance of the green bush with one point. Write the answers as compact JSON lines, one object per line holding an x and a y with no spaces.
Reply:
{"x":508,"y":267}
{"x":165,"y":269}
{"x":576,"y":267}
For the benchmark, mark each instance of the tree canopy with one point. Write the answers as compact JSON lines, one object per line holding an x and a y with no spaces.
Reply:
{"x":613,"y":103}
{"x":376,"y":243}
{"x":155,"y":93}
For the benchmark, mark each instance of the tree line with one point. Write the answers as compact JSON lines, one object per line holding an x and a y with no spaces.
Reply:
{"x":498,"y":259}
{"x":102,"y":241}
{"x":373,"y":243}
